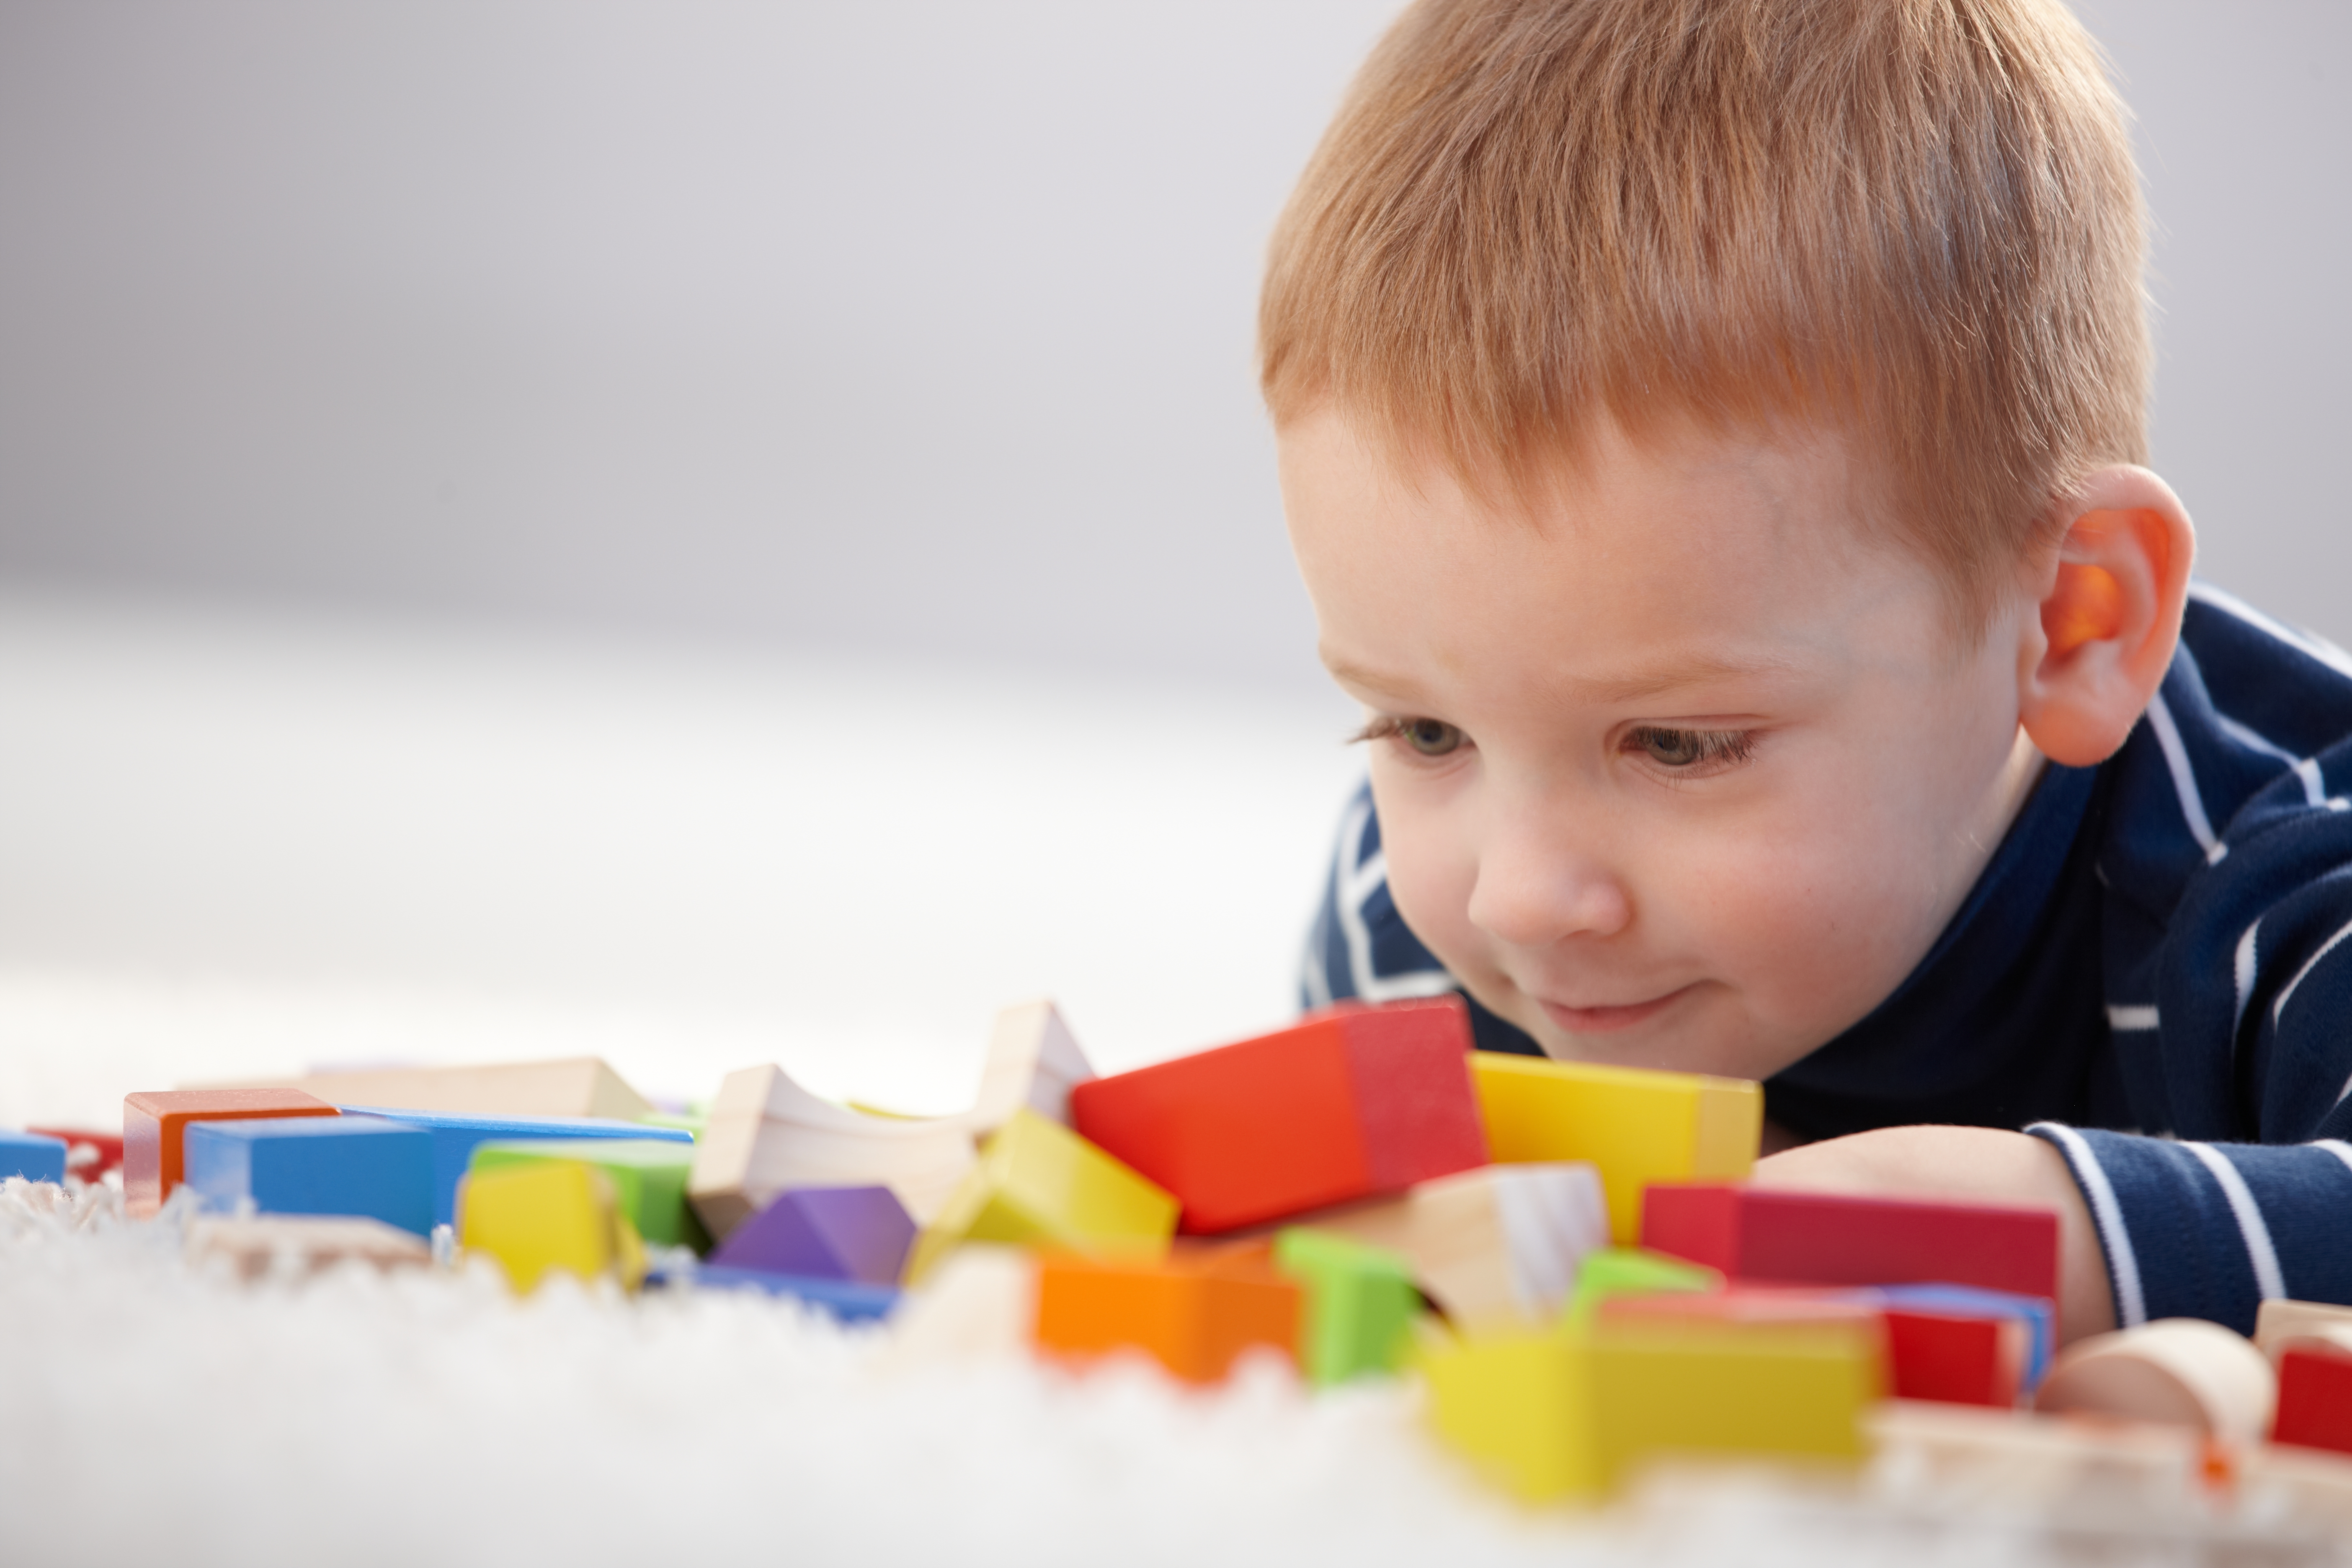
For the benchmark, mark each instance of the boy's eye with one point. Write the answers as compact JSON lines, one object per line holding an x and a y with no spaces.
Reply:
{"x":1689,"y":748}
{"x":1429,"y":737}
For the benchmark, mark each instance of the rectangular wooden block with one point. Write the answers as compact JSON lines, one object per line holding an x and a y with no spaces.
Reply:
{"x":32,"y":1155}
{"x":851,"y":1300}
{"x":648,"y":1177}
{"x":1816,"y":1238}
{"x":1496,"y":1245}
{"x":2035,"y":1316}
{"x":154,"y":1127}
{"x":1360,"y":1305}
{"x":349,"y":1165}
{"x":1608,"y":1272}
{"x":566,"y":1086}
{"x":826,"y":1233}
{"x":1552,"y":1413}
{"x":2314,"y":1398}
{"x":1040,"y":1184}
{"x":1636,"y":1125}
{"x":1350,"y":1104}
{"x":1194,"y":1311}
{"x":2281,"y":1322}
{"x":552,"y":1215}
{"x":457,"y":1134}
{"x":301,"y":1244}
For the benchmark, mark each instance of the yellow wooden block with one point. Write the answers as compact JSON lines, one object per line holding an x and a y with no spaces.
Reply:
{"x":1558,"y":1413}
{"x":1637,"y":1126}
{"x":1040,"y":1184}
{"x":557,"y":1213}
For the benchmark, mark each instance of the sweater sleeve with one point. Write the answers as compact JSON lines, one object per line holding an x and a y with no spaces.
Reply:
{"x":2233,"y":1022}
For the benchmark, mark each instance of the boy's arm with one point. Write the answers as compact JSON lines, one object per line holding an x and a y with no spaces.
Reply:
{"x":1967,"y":1163}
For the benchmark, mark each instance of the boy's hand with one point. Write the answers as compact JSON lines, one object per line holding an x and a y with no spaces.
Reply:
{"x":1968,"y":1165}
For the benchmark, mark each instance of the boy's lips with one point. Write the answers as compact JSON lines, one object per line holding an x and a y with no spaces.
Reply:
{"x":1602,"y":1020}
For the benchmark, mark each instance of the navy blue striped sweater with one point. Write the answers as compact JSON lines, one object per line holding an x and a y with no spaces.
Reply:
{"x":2154,"y":973}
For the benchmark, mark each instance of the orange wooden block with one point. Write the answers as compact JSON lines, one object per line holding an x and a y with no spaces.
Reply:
{"x":1194,"y":1312}
{"x":153,"y":1125}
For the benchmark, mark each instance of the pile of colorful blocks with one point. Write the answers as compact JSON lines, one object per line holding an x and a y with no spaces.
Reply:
{"x":1569,"y":1256}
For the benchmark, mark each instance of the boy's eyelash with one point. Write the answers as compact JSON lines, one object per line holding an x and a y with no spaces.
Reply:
{"x":1379,"y":729}
{"x":1714,"y":748}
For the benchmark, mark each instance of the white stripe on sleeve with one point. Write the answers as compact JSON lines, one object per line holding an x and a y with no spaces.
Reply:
{"x":2251,"y":1229}
{"x":2123,"y":1264}
{"x":2130,"y":1020}
{"x":2278,"y":1008}
{"x":2184,"y":779}
{"x":2246,"y":966}
{"x":2318,"y":648}
{"x":2338,"y":1147}
{"x":2314,"y":787}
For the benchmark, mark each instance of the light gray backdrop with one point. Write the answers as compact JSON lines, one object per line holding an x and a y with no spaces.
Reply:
{"x":920,"y":327}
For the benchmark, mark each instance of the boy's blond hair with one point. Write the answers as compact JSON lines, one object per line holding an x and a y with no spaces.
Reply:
{"x":1919,"y":219}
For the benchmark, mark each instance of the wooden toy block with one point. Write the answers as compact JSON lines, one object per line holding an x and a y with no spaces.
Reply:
{"x":648,"y":1177}
{"x":354,"y":1167}
{"x":826,"y":1233}
{"x":850,"y":1301}
{"x":155,"y":1125}
{"x":1954,"y":1358}
{"x":766,"y":1134}
{"x":301,"y":1244}
{"x":1637,"y":1126}
{"x":2281,"y":1322}
{"x":2181,"y":1372}
{"x":1768,"y":1235}
{"x":1360,"y":1304}
{"x":1500,"y":1244}
{"x":1040,"y":1184}
{"x":1352,"y":1102}
{"x":1194,"y":1311}
{"x":2315,"y":1397}
{"x":569,"y":1086}
{"x":457,"y":1134}
{"x":1551,"y":1412}
{"x":2036,"y":1317}
{"x":549,"y":1214}
{"x":89,"y":1155}
{"x":979,"y":1304}
{"x":1032,"y":1062}
{"x":1611,"y":1271}
{"x":32,"y":1155}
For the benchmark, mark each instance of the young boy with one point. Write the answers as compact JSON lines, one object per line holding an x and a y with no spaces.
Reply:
{"x":1710,"y":434}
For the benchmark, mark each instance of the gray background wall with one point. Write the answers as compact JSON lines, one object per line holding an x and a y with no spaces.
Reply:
{"x":920,"y":328}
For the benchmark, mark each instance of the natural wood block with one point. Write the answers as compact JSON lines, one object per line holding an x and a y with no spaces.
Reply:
{"x":1495,"y":1245}
{"x":1350,"y":1104}
{"x":1770,"y":1236}
{"x":2282,"y":1323}
{"x":262,"y":1244}
{"x":550,"y":1214}
{"x":568,"y":1086}
{"x":155,"y":1125}
{"x":1559,"y":1412}
{"x":1194,"y":1311}
{"x":1636,"y":1125}
{"x":2180,"y":1371}
{"x":1037,"y":1183}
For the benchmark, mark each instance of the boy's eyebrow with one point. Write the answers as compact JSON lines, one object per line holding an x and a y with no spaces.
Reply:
{"x":1629,"y":686}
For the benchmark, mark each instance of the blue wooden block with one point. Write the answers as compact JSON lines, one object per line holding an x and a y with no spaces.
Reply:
{"x":844,"y":1299}
{"x":314,"y":1164}
{"x":455,"y":1136}
{"x":32,"y":1155}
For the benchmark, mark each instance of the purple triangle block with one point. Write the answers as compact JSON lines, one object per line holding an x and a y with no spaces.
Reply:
{"x":826,"y":1233}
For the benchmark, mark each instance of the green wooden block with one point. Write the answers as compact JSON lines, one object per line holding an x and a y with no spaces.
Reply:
{"x":649,"y":1178}
{"x":690,"y":1122}
{"x":1634,"y":1272}
{"x":1360,"y":1304}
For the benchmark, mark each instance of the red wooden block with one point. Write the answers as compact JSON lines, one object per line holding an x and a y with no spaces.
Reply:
{"x":89,"y":1155}
{"x":1819,"y":1238}
{"x":2314,"y":1400}
{"x":154,"y":1124}
{"x":1351,"y":1102}
{"x":1955,"y":1359}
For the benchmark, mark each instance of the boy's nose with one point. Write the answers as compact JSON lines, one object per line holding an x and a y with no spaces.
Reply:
{"x":1538,"y":886}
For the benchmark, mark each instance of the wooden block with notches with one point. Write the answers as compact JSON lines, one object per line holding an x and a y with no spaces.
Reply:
{"x":1196,"y":1310}
{"x":1636,"y":1125}
{"x":1769,"y":1235}
{"x":256,"y":1244}
{"x":155,"y":1128}
{"x":1497,"y":1244}
{"x":1350,"y":1104}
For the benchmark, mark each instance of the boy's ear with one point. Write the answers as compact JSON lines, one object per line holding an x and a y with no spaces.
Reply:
{"x":2110,"y":615}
